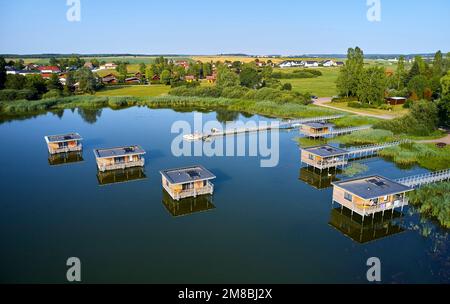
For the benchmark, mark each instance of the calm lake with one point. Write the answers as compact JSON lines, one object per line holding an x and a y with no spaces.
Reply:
{"x":262,"y":225}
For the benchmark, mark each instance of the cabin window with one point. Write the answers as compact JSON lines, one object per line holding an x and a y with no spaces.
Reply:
{"x":188,"y":186}
{"x":311,"y":157}
{"x":120,"y":160}
{"x":205,"y":183}
{"x":63,"y":145}
{"x":348,"y":197}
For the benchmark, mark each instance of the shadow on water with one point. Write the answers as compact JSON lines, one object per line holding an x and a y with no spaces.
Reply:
{"x":367,"y":230}
{"x":121,"y":176}
{"x":65,"y":158}
{"x":319,"y":180}
{"x":187,"y":206}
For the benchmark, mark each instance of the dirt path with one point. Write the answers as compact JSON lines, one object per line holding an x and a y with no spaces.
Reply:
{"x":445,"y":140}
{"x":324,"y":102}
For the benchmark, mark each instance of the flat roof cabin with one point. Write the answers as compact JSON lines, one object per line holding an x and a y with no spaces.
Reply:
{"x":370,"y":195}
{"x":119,"y":158}
{"x":324,"y":157}
{"x":64,"y":143}
{"x":187,"y":182}
{"x":316,"y":129}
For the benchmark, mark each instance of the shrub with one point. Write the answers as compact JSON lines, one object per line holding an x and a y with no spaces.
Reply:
{"x":8,"y":94}
{"x":286,"y":87}
{"x":52,"y":94}
{"x":234,"y":92}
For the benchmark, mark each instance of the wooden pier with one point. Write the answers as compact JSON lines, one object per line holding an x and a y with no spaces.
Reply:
{"x":326,"y":157}
{"x":277,"y":126}
{"x":343,"y":131}
{"x":371,"y":150}
{"x":425,"y":179}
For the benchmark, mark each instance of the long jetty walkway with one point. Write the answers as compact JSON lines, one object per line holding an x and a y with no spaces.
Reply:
{"x":371,"y":150}
{"x":280,"y":125}
{"x":425,"y":179}
{"x":337,"y":132}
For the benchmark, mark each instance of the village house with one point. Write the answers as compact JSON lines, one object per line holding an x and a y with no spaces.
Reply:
{"x":189,"y":78}
{"x":396,"y":100}
{"x":340,"y":63}
{"x":316,"y":129}
{"x":109,"y":79}
{"x":291,"y":64}
{"x":88,"y":65}
{"x":119,"y":158}
{"x":211,"y":79}
{"x":311,"y":64}
{"x":64,"y":143}
{"x":108,"y":66}
{"x":370,"y":195}
{"x":324,"y":157}
{"x":133,"y":80}
{"x":329,"y":63}
{"x":49,"y":69}
{"x":187,"y":182}
{"x":183,"y":63}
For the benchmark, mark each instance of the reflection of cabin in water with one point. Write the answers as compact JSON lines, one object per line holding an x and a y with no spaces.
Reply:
{"x":370,"y":195}
{"x":121,"y":176}
{"x":64,"y":143}
{"x":324,"y":157}
{"x":65,"y":158}
{"x":119,"y":158}
{"x":187,"y":182}
{"x":321,"y":180}
{"x":187,"y":206}
{"x":365,"y":231}
{"x":316,"y":129}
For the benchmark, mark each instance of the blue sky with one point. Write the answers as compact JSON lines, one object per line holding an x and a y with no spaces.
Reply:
{"x":215,"y":26}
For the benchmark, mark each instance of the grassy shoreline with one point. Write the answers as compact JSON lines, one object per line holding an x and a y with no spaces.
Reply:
{"x":268,"y":108}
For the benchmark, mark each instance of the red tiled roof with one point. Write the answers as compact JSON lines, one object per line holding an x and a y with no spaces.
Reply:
{"x":49,"y":68}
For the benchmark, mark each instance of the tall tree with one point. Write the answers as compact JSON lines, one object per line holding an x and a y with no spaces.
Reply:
{"x":226,"y":78}
{"x":86,"y":80}
{"x":53,"y":83}
{"x":438,"y":64}
{"x":249,"y":77}
{"x":142,"y":68}
{"x":401,"y":73}
{"x":372,"y":86}
{"x":349,"y":76}
{"x":2,"y":73}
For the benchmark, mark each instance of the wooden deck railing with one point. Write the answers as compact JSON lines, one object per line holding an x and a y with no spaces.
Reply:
{"x":208,"y":189}
{"x":119,"y":166}
{"x":76,"y":148}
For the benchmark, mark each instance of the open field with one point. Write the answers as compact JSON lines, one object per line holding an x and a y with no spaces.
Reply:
{"x":131,"y":59}
{"x":134,"y":90}
{"x":323,"y":86}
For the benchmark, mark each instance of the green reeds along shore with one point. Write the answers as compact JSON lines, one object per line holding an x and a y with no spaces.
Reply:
{"x":425,"y":155}
{"x":433,"y":201}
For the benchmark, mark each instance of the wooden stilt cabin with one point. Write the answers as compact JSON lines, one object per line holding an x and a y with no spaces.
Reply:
{"x":119,"y":158}
{"x":324,"y":157}
{"x":316,"y":129}
{"x":369,"y":195}
{"x":64,"y":143}
{"x":187,"y":182}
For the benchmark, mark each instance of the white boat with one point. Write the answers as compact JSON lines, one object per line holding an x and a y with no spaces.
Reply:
{"x":193,"y":137}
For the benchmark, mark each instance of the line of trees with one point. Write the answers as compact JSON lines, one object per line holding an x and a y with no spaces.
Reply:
{"x":33,"y":87}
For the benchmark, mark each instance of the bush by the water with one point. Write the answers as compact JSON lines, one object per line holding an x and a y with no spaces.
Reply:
{"x":355,"y":169}
{"x":421,"y":121}
{"x":239,"y":92}
{"x":433,"y":200}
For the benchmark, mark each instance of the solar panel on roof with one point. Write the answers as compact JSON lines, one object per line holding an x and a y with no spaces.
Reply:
{"x":193,"y":174}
